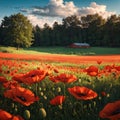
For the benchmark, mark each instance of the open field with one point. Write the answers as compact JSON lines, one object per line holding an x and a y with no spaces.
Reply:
{"x":63,"y":58}
{"x":106,"y":55}
{"x":63,"y":50}
{"x":43,"y":86}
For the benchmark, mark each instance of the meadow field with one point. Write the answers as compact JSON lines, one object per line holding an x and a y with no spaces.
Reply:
{"x":47,"y":84}
{"x":63,"y":50}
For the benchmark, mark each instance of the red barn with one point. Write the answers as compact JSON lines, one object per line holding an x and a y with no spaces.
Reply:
{"x":79,"y":45}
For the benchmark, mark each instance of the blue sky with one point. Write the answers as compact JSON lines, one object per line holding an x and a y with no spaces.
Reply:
{"x":49,"y":11}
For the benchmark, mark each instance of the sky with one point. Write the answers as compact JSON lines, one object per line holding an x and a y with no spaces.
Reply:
{"x":40,"y":12}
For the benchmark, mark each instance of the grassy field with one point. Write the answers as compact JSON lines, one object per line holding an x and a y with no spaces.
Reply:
{"x":43,"y":90}
{"x":62,"y":50}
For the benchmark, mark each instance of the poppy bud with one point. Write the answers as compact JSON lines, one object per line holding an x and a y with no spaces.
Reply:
{"x":16,"y":109}
{"x":12,"y":105}
{"x":58,"y":89}
{"x":99,"y":62}
{"x":27,"y":114}
{"x":108,"y":95}
{"x":103,"y":93}
{"x":53,"y":89}
{"x":45,"y":97}
{"x":94,"y":103}
{"x":60,"y":107}
{"x":99,"y":98}
{"x":42,"y":113}
{"x":41,"y":93}
{"x":40,"y":88}
{"x":44,"y":89}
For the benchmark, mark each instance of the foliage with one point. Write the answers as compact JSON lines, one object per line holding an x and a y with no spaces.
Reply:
{"x":16,"y":30}
{"x":62,"y":50}
{"x":92,"y":29}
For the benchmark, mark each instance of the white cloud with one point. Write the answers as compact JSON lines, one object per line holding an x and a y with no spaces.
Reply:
{"x":56,"y":2}
{"x":95,"y":8}
{"x":56,"y":8}
{"x":64,"y":9}
{"x":60,"y":9}
{"x":40,"y":21}
{"x":1,"y":20}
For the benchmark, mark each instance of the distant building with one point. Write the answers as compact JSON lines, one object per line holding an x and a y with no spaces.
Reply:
{"x":79,"y":45}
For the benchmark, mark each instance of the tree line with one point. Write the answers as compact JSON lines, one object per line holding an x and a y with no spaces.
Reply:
{"x":16,"y":30}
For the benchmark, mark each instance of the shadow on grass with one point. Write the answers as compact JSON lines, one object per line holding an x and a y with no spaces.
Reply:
{"x":75,"y":51}
{"x":63,"y":50}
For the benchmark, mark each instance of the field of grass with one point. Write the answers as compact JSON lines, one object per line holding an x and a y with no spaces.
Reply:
{"x":46,"y":90}
{"x":63,"y":50}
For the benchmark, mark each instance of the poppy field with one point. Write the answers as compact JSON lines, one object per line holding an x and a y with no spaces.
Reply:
{"x":45,"y":90}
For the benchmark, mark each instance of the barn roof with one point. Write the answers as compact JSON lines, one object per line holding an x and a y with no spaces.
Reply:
{"x":81,"y":44}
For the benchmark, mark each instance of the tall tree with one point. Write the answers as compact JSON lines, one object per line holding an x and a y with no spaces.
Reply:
{"x":112,"y":31}
{"x":71,"y":21}
{"x":57,"y":35}
{"x":71,"y":26}
{"x":37,"y":32}
{"x":17,"y":31}
{"x":92,"y":25}
{"x":46,"y":41}
{"x":92,"y":29}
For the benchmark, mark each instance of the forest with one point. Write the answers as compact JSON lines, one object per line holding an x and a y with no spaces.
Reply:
{"x":92,"y":29}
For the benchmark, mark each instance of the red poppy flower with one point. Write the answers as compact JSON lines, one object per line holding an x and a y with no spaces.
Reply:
{"x":17,"y":118}
{"x":117,"y":68}
{"x":4,"y":115}
{"x":66,"y":78}
{"x":21,"y":95}
{"x":108,"y":68}
{"x":33,"y":76}
{"x":92,"y":71}
{"x":0,"y":69}
{"x":11,"y":84}
{"x":56,"y":70}
{"x":111,"y":111}
{"x":103,"y":93}
{"x":99,"y":62}
{"x":58,"y":100}
{"x":3,"y":79}
{"x":82,"y":93}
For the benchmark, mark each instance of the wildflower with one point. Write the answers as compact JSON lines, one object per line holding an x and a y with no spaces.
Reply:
{"x":111,"y":111}
{"x":58,"y":100}
{"x":21,"y":95}
{"x":4,"y":115}
{"x":117,"y":68}
{"x":108,"y":68}
{"x":92,"y":71}
{"x":82,"y":93}
{"x":3,"y":79}
{"x":33,"y":76}
{"x":65,"y":78}
{"x":17,"y":118}
{"x":99,"y":62}
{"x":11,"y":84}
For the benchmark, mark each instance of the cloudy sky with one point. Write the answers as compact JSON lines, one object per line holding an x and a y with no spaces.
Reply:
{"x":40,"y":12}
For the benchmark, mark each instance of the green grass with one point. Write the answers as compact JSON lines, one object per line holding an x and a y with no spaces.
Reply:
{"x":62,"y":50}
